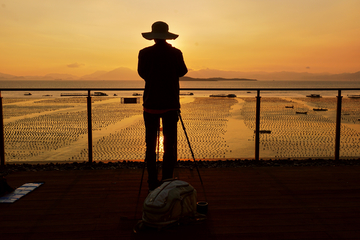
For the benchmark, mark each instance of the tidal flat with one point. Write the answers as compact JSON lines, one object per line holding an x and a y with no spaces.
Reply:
{"x":219,"y":128}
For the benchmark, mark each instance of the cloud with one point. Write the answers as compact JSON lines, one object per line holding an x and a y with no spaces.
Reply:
{"x":75,"y":65}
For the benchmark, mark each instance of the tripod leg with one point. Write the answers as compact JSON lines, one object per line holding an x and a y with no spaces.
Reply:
{"x":192,"y":153}
{"x":138,"y":198}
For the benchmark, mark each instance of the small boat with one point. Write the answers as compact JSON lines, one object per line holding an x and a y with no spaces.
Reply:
{"x":263,"y":131}
{"x":320,"y":109}
{"x":289,"y":106}
{"x":115,"y":94}
{"x":223,"y":95}
{"x":137,"y":94}
{"x":27,"y":94}
{"x":99,"y":94}
{"x":189,"y":94}
{"x":353,"y":96}
{"x":300,"y":112}
{"x":314,"y":95}
{"x":47,"y":95}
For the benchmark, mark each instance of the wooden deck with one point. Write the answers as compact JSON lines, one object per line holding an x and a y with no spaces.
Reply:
{"x":244,"y":203}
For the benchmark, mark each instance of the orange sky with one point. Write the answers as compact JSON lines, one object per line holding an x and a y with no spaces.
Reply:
{"x":83,"y":36}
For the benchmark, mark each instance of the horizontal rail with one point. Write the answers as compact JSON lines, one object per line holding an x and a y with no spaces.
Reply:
{"x":181,"y":89}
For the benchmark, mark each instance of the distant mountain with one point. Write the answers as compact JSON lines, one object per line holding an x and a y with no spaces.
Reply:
{"x":50,"y":76}
{"x":300,"y":76}
{"x":4,"y":76}
{"x":308,"y":76}
{"x":58,"y":76}
{"x":342,"y":76}
{"x":94,"y":76}
{"x":122,"y":73}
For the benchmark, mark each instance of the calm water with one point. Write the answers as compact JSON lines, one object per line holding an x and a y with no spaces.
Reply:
{"x":28,"y":85}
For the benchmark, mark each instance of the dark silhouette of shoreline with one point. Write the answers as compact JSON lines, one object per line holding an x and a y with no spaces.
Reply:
{"x":215,"y":79}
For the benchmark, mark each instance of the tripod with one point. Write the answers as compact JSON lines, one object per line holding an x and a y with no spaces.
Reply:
{"x":192,"y":153}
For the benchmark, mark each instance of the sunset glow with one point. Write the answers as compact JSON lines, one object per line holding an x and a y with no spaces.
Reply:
{"x":81,"y":37}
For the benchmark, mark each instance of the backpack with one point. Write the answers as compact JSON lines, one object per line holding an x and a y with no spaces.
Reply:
{"x":172,"y":202}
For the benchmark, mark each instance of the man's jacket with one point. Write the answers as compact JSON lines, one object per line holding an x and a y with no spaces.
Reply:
{"x":160,"y":66}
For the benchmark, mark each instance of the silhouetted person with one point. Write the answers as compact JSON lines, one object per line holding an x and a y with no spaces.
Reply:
{"x":160,"y":66}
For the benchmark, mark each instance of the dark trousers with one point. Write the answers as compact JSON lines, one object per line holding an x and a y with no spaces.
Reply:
{"x":169,"y":127}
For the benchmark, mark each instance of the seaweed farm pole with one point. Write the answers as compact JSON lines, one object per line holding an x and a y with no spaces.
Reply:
{"x":2,"y":145}
{"x":257,"y":126}
{"x":338,"y":126}
{"x":90,"y":150}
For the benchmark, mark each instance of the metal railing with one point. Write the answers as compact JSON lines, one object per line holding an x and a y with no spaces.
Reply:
{"x":257,"y":119}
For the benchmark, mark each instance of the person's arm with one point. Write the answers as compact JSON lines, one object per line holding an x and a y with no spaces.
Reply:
{"x":182,"y":69}
{"x":141,"y":66}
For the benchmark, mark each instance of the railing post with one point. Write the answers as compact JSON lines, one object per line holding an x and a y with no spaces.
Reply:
{"x":338,"y":126}
{"x":257,"y":126}
{"x":90,"y":149}
{"x":2,"y":144}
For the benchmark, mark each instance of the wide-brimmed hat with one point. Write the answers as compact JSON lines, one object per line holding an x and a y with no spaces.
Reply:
{"x":159,"y":30}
